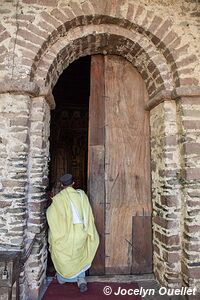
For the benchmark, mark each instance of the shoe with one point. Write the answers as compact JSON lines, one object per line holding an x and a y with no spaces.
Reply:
{"x":83,"y":287}
{"x":59,"y":279}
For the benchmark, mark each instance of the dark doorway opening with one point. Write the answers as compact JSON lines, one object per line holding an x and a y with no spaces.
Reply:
{"x":69,"y":124}
{"x":69,"y":128}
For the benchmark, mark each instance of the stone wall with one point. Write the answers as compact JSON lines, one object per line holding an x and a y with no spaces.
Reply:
{"x":14,"y":116}
{"x":24,"y":155}
{"x":26,"y":25}
{"x":38,"y":160}
{"x":166,"y":194}
{"x":38,"y":40}
{"x":189,"y":111}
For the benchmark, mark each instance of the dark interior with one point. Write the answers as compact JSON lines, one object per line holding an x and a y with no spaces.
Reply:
{"x":69,"y":128}
{"x":69,"y":124}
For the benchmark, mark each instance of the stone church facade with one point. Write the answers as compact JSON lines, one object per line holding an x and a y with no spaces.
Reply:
{"x":38,"y":40}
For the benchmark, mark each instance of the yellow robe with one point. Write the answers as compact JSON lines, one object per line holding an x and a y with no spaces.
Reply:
{"x":72,"y":246}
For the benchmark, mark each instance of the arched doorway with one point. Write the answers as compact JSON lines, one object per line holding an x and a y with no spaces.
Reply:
{"x":143,"y":43}
{"x":118,"y":151}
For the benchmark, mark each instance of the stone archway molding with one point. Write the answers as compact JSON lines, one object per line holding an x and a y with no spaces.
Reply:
{"x":19,"y":87}
{"x":105,"y":39}
{"x":32,"y":89}
{"x":135,"y":18}
{"x":167,"y":95}
{"x":159,"y":41}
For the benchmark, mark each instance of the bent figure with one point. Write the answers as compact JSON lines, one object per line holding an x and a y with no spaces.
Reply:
{"x":73,"y":238}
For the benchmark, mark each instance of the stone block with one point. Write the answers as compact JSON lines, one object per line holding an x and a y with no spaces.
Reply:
{"x":41,"y":2}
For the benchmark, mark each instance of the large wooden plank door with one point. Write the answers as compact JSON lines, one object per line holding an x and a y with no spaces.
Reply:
{"x":123,"y":209}
{"x":127,"y":166}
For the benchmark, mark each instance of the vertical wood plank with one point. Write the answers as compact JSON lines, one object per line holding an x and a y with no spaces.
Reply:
{"x":96,"y":196}
{"x":127,"y":160}
{"x":96,"y":157}
{"x":142,"y":248}
{"x":96,"y":104}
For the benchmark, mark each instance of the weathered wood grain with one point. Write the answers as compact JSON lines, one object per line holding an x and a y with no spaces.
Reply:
{"x":97,"y":103}
{"x":127,"y":161}
{"x":97,"y":195}
{"x":142,"y":246}
{"x":96,"y":157}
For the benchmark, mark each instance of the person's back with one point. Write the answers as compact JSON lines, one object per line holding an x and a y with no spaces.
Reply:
{"x":73,"y":238}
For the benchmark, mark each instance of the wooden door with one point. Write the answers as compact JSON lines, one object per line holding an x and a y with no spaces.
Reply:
{"x":96,"y":157}
{"x":119,"y":167}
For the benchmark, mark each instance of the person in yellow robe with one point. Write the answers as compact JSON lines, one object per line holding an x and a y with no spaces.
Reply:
{"x":73,"y":238}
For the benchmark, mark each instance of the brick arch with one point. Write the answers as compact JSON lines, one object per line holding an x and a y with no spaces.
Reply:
{"x":80,"y":42}
{"x":135,"y":18}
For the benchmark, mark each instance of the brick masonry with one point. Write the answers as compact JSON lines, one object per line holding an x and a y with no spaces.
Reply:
{"x":166,"y":187}
{"x":38,"y":40}
{"x":14,"y":120}
{"x":189,"y":113}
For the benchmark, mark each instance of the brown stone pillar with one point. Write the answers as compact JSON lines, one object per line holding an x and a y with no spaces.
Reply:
{"x":24,"y":155}
{"x":188,"y":100}
{"x":35,"y":268}
{"x":14,"y":147}
{"x":166,"y":196}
